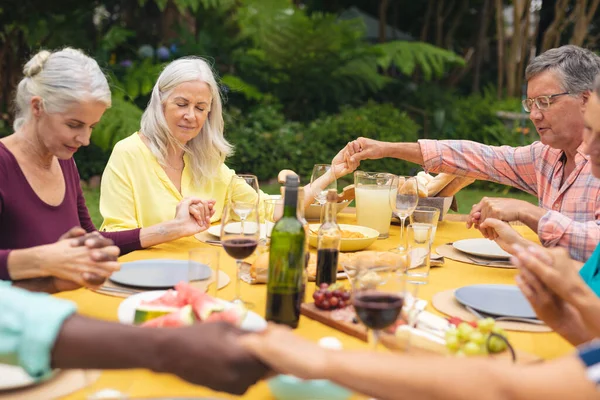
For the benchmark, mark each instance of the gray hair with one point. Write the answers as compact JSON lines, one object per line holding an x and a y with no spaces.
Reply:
{"x":209,"y":149}
{"x":576,"y":67}
{"x":61,"y":78}
{"x":597,"y":85}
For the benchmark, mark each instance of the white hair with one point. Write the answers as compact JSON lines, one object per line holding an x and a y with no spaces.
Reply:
{"x":209,"y":149}
{"x":60,"y":78}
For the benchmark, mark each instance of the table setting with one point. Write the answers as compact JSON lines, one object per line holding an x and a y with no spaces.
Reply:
{"x":426,"y":230}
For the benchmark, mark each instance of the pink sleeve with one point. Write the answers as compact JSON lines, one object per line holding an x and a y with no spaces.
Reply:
{"x":513,"y":166}
{"x":580,"y":238}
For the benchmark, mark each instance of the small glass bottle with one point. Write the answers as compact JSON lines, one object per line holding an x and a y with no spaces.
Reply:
{"x":328,"y":243}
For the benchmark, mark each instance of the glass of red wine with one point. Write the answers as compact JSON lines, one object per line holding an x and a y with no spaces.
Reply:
{"x":378,"y":291}
{"x":240,"y":238}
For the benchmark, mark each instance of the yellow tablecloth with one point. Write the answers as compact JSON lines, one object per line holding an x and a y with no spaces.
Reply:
{"x":139,"y":383}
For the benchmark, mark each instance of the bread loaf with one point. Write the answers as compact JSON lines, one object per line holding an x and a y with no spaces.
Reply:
{"x":438,"y":183}
{"x":459,"y":183}
{"x":422,"y":182}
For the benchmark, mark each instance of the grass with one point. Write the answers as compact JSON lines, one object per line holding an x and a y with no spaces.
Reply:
{"x":465,"y":199}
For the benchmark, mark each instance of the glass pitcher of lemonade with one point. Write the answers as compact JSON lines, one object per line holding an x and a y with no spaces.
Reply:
{"x":373,"y":208}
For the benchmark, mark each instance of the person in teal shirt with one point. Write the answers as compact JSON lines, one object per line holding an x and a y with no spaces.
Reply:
{"x":39,"y":332}
{"x":590,"y":272}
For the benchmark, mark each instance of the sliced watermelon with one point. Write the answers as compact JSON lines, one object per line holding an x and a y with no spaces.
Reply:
{"x":181,"y":317}
{"x":170,"y":299}
{"x":234,"y":315}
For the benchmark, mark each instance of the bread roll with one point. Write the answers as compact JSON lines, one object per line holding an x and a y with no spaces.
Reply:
{"x":422,"y":186}
{"x":459,"y":183}
{"x":438,"y":183}
{"x":283,"y":174}
{"x":425,"y":175}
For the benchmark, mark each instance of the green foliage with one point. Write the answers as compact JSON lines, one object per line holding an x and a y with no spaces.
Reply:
{"x":91,"y":160}
{"x":118,"y":122}
{"x":432,"y":61}
{"x":265,"y":143}
{"x":236,"y":84}
{"x":139,"y":79}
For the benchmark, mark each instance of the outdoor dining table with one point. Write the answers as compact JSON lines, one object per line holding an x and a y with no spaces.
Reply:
{"x":453,"y":274}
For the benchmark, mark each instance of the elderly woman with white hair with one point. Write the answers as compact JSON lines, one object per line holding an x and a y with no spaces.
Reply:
{"x":61,"y":98}
{"x":179,"y":151}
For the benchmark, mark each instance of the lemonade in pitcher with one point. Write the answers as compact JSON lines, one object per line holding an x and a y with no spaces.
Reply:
{"x":373,"y":208}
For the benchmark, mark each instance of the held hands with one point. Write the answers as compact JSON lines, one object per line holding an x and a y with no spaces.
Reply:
{"x":363,"y":149}
{"x":193,"y":215}
{"x":342,"y":165}
{"x":287,"y":353}
{"x":494,"y":207}
{"x":503,"y":234}
{"x":210,"y":354}
{"x":80,"y":259}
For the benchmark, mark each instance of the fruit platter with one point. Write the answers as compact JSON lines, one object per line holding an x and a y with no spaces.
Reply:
{"x":185,"y":305}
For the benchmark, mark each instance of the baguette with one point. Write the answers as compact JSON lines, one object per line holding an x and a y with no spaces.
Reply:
{"x":459,"y":183}
{"x":438,"y":183}
{"x":422,"y":183}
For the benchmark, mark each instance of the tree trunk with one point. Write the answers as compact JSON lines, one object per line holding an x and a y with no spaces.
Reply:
{"x":464,"y":5}
{"x":583,"y":17}
{"x":500,"y":45}
{"x":428,"y":13}
{"x":480,"y":44}
{"x":515,"y":47}
{"x":553,"y":32}
{"x":383,"y":7}
{"x":525,"y":45}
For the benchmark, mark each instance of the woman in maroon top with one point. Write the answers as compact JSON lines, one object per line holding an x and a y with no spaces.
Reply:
{"x":59,"y":101}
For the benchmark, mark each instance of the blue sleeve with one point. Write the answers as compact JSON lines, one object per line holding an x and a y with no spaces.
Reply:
{"x":590,"y":272}
{"x":29,"y":325}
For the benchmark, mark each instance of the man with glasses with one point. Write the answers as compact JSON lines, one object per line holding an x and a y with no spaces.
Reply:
{"x":554,"y":169}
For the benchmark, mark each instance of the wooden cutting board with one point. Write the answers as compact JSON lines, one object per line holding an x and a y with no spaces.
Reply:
{"x":418,"y":345}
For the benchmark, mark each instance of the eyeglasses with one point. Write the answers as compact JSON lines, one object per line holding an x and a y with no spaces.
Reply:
{"x":542,"y":102}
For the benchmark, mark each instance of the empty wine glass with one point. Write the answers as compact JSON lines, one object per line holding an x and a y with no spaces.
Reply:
{"x":404,"y":196}
{"x":378,"y":292}
{"x":243,"y":192}
{"x":321,"y":180}
{"x":240,"y":239}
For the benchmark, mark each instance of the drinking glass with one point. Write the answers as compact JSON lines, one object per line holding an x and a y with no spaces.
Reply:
{"x":377,"y":295}
{"x":198,"y":260}
{"x":243,"y":191}
{"x":273,"y":212}
{"x":239,"y":239}
{"x":319,"y":185}
{"x":428,"y":216}
{"x":418,"y":253}
{"x":404,"y":196}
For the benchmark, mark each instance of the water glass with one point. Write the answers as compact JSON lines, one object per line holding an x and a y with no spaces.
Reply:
{"x":273,"y":212}
{"x":428,"y":216}
{"x":198,"y":260}
{"x":418,"y":253}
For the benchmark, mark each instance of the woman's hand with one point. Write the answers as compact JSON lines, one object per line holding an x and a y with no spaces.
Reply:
{"x":193,"y":215}
{"x":286,"y":352}
{"x":342,"y":165}
{"x":84,"y":260}
{"x":503,"y":234}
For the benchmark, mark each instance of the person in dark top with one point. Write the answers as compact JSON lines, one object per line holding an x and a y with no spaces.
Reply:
{"x":58,"y":102}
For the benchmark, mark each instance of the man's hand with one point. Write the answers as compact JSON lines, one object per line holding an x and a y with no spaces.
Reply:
{"x":342,"y":165}
{"x":363,"y":149}
{"x":504,"y":209}
{"x":210,"y":354}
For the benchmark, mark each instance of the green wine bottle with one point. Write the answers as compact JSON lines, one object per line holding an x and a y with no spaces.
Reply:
{"x":285,"y":287}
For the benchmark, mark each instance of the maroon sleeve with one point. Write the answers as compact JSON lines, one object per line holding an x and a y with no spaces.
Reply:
{"x":127,"y":241}
{"x":4,"y":265}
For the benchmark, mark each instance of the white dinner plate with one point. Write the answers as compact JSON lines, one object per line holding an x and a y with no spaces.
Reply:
{"x":15,"y":377}
{"x":236,"y":227}
{"x":126,"y":312}
{"x":481,"y":248}
{"x":496,"y":300}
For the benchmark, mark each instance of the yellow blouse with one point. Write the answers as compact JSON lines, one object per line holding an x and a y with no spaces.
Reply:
{"x":136,"y":192}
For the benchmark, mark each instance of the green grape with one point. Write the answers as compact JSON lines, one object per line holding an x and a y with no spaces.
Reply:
{"x":496,"y":345}
{"x":472,"y":349}
{"x":452,"y":343}
{"x":478,"y":338}
{"x":499,"y":331}
{"x":452,"y":332}
{"x":486,"y":325}
{"x":460,"y":353}
{"x":464,"y":331}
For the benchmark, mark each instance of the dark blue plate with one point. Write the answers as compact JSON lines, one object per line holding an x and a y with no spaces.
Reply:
{"x":496,"y":300}
{"x":159,"y":274}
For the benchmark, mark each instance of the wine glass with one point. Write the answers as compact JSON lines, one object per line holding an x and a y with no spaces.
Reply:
{"x":404,"y":196}
{"x":243,"y":192}
{"x":378,"y":292}
{"x":320,"y":183}
{"x":240,"y":239}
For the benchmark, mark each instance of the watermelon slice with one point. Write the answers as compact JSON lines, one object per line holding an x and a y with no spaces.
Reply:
{"x":145,"y":313}
{"x":234,"y":315}
{"x":181,"y":317}
{"x":170,"y":299}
